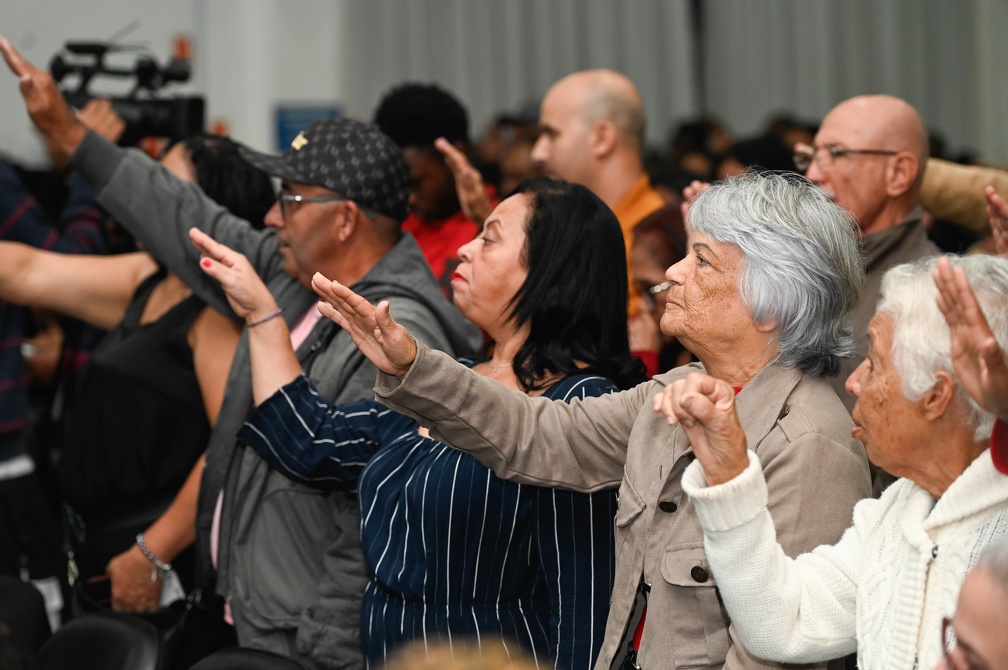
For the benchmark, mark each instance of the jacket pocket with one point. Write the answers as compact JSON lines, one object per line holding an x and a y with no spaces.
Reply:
{"x":695,"y":615}
{"x":629,"y":506}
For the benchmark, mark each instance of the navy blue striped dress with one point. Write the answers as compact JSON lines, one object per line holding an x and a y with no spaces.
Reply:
{"x":454,"y":552}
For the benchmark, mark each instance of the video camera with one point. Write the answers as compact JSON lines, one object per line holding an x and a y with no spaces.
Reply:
{"x":144,"y":112}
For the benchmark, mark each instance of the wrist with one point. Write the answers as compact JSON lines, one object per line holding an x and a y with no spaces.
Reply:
{"x":257,"y":320}
{"x":159,"y":568}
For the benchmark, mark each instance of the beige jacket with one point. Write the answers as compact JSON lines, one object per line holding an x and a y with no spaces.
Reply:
{"x":796,"y":425}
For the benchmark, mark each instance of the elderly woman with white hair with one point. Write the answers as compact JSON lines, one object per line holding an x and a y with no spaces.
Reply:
{"x":885,"y":586}
{"x":761,"y":299}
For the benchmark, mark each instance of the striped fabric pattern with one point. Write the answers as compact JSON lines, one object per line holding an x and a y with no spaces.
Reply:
{"x":454,"y":552}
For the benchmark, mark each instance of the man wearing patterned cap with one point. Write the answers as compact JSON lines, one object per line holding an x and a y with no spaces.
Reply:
{"x":289,"y":560}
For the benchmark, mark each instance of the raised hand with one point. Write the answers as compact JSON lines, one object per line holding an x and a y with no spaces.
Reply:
{"x":690,"y":192}
{"x":384,"y":342}
{"x":468,"y":182}
{"x":99,"y":115}
{"x":249,"y":297}
{"x":979,"y":361}
{"x":44,"y":102}
{"x":997,"y":215}
{"x":705,"y":408}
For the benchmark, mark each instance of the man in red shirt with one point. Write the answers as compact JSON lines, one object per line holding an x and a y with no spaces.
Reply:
{"x":415,"y":115}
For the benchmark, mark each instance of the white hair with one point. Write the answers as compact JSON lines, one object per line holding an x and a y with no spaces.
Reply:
{"x":801,"y":267}
{"x":994,"y":559}
{"x":921,"y":345}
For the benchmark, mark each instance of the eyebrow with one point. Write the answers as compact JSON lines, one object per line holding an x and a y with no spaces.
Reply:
{"x":704,"y":245}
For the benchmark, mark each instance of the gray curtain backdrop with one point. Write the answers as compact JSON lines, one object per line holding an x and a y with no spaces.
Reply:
{"x":740,"y":60}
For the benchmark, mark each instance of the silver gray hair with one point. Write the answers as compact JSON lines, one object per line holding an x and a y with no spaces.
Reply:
{"x":802,"y":268}
{"x":921,"y":345}
{"x":994,"y":559}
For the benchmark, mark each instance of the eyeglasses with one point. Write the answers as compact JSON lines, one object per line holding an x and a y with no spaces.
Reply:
{"x":286,"y":198}
{"x":804,"y":154}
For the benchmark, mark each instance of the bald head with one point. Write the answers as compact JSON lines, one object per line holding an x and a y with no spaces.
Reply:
{"x":592,"y":132}
{"x":883,"y":122}
{"x":605,"y":95}
{"x":878,"y":178}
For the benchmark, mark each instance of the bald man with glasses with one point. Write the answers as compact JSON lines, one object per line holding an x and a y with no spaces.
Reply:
{"x":869,"y":157}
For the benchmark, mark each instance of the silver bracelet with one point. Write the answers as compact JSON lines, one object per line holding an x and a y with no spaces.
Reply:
{"x":160,"y":567}
{"x":271,"y":315}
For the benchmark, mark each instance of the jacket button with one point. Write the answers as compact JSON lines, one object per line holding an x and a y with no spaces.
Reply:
{"x":699,"y":574}
{"x":667,"y":506}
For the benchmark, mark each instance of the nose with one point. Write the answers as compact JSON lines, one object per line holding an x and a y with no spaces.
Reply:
{"x":675,"y":273}
{"x":540,"y":150}
{"x":815,"y":173}
{"x":853,"y":383}
{"x":274,"y":217}
{"x":465,"y":251}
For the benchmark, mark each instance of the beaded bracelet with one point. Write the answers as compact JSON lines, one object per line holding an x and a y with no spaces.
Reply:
{"x":160,"y":567}
{"x":271,"y":315}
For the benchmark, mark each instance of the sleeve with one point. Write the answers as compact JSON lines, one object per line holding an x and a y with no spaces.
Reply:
{"x":955,"y":192}
{"x":298,"y":434}
{"x":579,"y":445}
{"x":22,"y":220}
{"x":800,"y":610}
{"x":158,"y":209}
{"x":576,"y":538}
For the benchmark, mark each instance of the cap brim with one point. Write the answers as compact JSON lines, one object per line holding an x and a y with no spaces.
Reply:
{"x":271,"y":164}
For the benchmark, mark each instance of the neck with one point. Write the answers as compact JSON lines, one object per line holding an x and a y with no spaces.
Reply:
{"x":615,"y":179}
{"x":892,"y":214}
{"x":507,"y":341}
{"x":738,"y":361}
{"x":353,"y":263}
{"x":954,"y":454}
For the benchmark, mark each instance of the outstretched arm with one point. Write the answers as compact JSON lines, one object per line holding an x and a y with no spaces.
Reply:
{"x":96,"y":289}
{"x":271,"y":354}
{"x":384,"y":342}
{"x":980,"y":362}
{"x":44,"y":102}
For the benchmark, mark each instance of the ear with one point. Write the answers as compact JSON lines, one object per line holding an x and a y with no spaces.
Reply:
{"x":936,"y":400}
{"x":768,"y":327}
{"x":345,"y":220}
{"x":901,"y":173}
{"x":604,"y":138}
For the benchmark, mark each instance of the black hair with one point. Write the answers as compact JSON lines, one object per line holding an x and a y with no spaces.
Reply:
{"x":575,"y":295}
{"x":414,"y":115}
{"x":229,"y":179}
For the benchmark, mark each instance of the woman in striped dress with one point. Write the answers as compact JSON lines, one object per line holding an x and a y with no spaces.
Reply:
{"x":457,"y":555}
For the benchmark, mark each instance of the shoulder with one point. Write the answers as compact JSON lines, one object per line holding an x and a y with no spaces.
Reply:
{"x":580,"y":386}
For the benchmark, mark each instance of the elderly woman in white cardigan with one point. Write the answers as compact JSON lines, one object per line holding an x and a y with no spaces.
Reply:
{"x":884,"y":588}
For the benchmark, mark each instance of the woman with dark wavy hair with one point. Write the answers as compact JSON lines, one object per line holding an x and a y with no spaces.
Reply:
{"x":453,"y":551}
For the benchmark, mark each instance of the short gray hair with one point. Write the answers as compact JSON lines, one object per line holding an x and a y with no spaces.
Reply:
{"x":994,"y":559}
{"x":802,"y":269}
{"x":921,"y":345}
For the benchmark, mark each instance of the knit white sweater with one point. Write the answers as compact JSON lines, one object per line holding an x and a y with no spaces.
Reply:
{"x":882,"y":589}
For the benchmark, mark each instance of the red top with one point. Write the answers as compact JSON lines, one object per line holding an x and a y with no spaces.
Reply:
{"x":999,"y":446}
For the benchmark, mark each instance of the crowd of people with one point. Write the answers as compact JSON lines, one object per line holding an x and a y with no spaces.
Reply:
{"x":390,"y":399}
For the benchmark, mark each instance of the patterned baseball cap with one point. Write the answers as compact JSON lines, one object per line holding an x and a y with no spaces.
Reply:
{"x":349,"y":157}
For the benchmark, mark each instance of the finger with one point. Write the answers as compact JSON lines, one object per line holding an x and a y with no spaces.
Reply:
{"x":211,"y":248}
{"x":15,"y":62}
{"x":453,"y":157}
